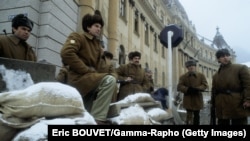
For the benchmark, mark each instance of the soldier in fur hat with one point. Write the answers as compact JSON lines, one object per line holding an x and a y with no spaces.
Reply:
{"x":83,"y":54}
{"x":230,"y":91}
{"x":15,"y":46}
{"x":192,"y":83}
{"x":132,"y":76}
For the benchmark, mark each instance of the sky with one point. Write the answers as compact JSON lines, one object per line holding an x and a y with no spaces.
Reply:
{"x":230,"y":16}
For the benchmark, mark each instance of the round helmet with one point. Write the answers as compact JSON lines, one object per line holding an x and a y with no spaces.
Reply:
{"x":222,"y":52}
{"x":190,"y":63}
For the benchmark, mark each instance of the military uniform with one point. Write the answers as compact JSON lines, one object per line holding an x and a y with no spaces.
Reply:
{"x":82,"y":53}
{"x":14,"y":48}
{"x":231,"y":87}
{"x":140,"y":82}
{"x":192,"y":100}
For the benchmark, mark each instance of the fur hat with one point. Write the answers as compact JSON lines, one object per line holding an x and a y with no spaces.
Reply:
{"x":130,"y":56}
{"x":88,"y":20}
{"x":135,"y":54}
{"x":190,"y":63}
{"x":22,"y":20}
{"x":222,"y":52}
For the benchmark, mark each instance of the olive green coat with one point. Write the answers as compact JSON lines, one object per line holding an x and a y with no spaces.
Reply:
{"x":192,"y":101}
{"x":83,"y":54}
{"x":235,"y":78}
{"x":12,"y":47}
{"x":140,"y":81}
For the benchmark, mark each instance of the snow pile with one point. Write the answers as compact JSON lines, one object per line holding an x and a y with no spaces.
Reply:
{"x":15,"y":79}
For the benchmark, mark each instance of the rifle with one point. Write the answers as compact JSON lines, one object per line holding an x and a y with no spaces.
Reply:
{"x":212,"y":110}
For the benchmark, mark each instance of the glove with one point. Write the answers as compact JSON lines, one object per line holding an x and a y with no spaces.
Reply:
{"x":192,"y":90}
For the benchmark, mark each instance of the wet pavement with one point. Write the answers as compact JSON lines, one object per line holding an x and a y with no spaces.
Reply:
{"x":179,"y":114}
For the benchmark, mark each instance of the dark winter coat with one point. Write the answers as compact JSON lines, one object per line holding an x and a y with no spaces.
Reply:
{"x":13,"y":48}
{"x":83,"y":54}
{"x":192,"y":100}
{"x":140,"y":81}
{"x":231,"y":86}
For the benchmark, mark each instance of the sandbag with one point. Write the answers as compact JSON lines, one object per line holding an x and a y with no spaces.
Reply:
{"x":139,"y":116}
{"x":158,"y":114}
{"x":137,"y":98}
{"x":39,"y":131}
{"x":44,"y":99}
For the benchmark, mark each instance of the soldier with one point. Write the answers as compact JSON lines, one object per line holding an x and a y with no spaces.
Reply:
{"x":151,"y":81}
{"x":132,"y":76}
{"x":83,"y":54}
{"x":230,"y":91}
{"x":192,"y":84}
{"x":15,"y":45}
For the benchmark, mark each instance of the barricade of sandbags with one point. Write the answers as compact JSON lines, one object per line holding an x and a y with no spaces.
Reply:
{"x":138,"y":109}
{"x":21,"y":109}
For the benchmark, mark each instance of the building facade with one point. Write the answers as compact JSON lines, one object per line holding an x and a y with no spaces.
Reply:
{"x":130,"y":25}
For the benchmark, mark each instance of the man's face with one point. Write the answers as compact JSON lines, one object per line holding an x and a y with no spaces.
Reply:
{"x":95,"y":29}
{"x":149,"y":74}
{"x":225,"y":59}
{"x":22,"y":32}
{"x":136,"y":60}
{"x":191,"y":68}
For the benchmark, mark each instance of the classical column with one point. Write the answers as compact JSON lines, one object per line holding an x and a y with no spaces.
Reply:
{"x":113,"y":12}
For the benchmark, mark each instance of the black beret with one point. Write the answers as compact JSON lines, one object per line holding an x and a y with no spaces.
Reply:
{"x":190,"y":63}
{"x":22,"y":20}
{"x":222,"y":52}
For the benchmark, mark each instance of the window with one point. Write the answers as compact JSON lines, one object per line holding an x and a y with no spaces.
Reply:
{"x":163,"y":79}
{"x":155,"y":42}
{"x":163,"y":52}
{"x":154,"y":6}
{"x":155,"y":76}
{"x":122,"y":8}
{"x":146,"y":34}
{"x":136,"y":22}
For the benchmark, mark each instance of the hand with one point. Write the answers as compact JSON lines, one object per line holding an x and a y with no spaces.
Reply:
{"x":192,"y":90}
{"x":128,"y":79}
{"x":92,"y":69}
{"x":246,"y":104}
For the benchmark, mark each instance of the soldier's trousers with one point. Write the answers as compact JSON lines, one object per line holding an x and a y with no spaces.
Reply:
{"x":193,"y":117}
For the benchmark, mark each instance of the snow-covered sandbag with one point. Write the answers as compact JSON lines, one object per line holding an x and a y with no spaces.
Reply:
{"x":44,"y":99}
{"x":39,"y":131}
{"x":137,"y":98}
{"x":133,"y":115}
{"x":158,"y":114}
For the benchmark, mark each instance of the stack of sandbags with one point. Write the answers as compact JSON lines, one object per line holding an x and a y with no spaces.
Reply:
{"x":23,"y":108}
{"x":38,"y":131}
{"x":139,"y":109}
